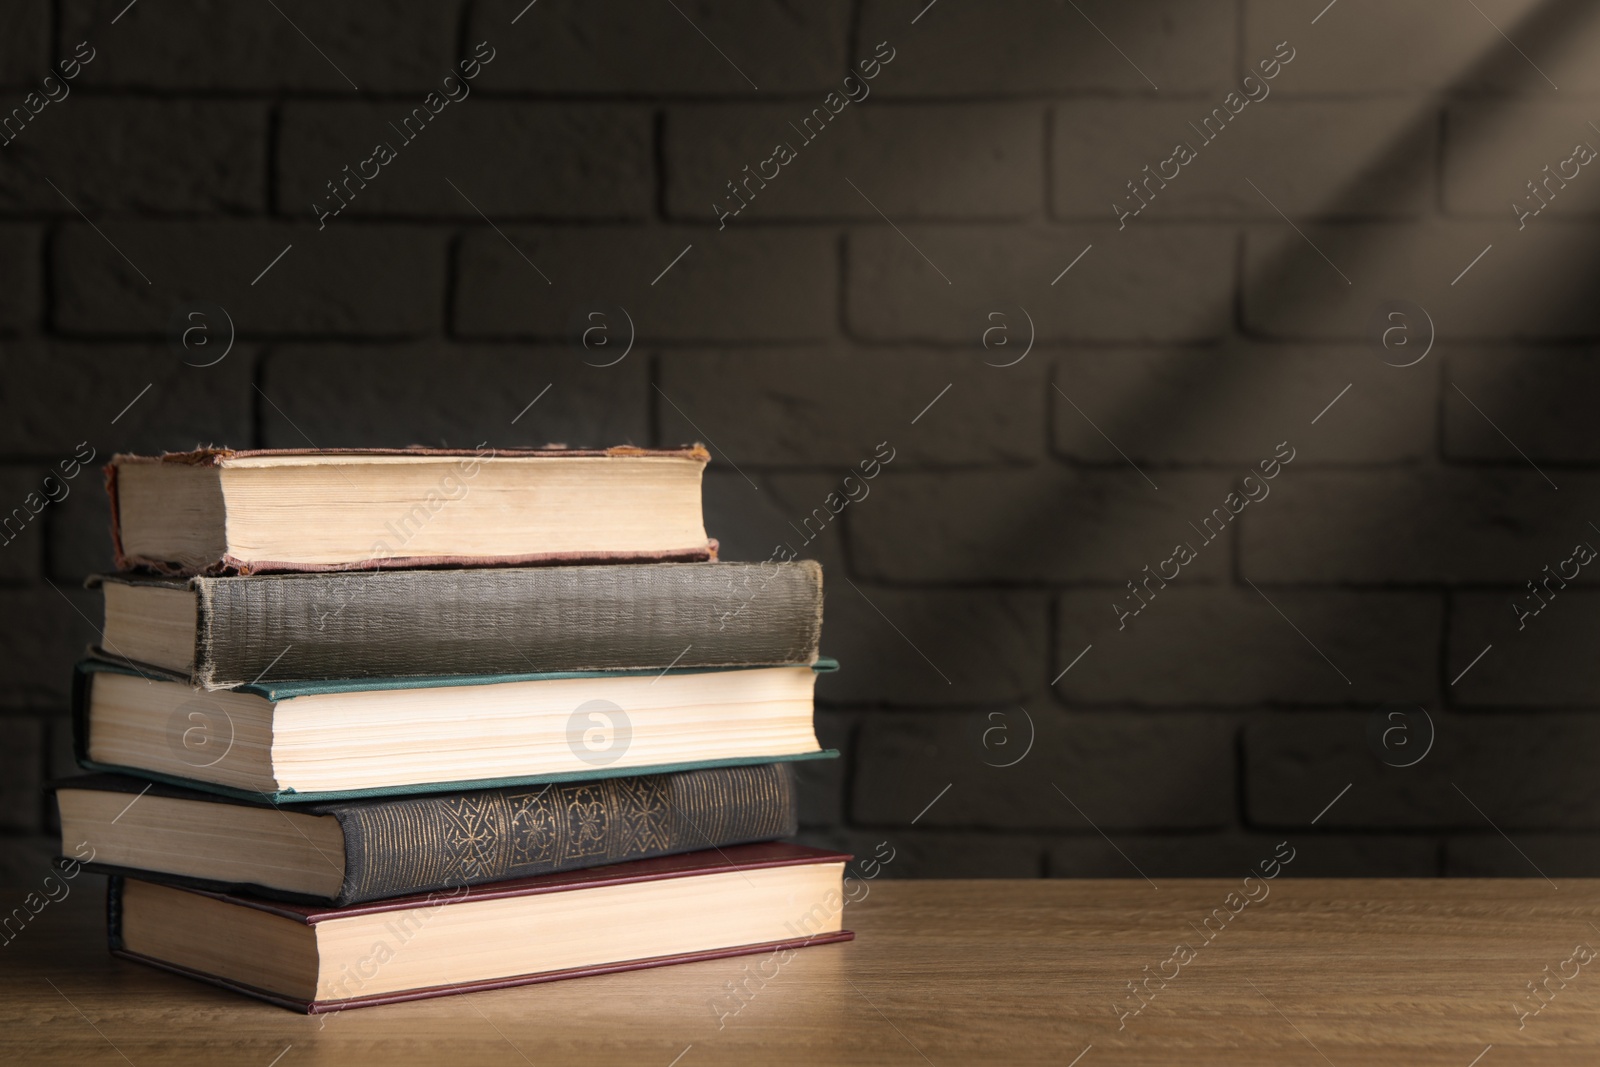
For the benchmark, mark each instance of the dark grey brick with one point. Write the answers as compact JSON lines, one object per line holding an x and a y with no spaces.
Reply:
{"x":21,"y":773}
{"x":442,"y":394}
{"x":1233,"y":404}
{"x":1541,"y":400}
{"x":756,"y":516}
{"x":155,"y":156}
{"x":1488,"y":855}
{"x":1044,"y":525}
{"x":1230,"y":646}
{"x":808,"y":331}
{"x":823,"y":782}
{"x":920,"y":647}
{"x":1542,"y":659}
{"x":1414,"y":526}
{"x":78,"y":532}
{"x":24,"y":43}
{"x":61,"y":760}
{"x":967,"y":161}
{"x":1018,"y":48}
{"x":378,"y":281}
{"x":25,"y":862}
{"x":1514,"y":771}
{"x":1347,"y":158}
{"x":834,"y":406}
{"x":1492,"y":153}
{"x":1291,"y":290}
{"x":933,"y":647}
{"x":382,"y":46}
{"x":20,"y":265}
{"x":980,"y":645}
{"x":63,"y":394}
{"x":1234,"y":854}
{"x":762,"y":284}
{"x":930,"y":283}
{"x":584,"y":46}
{"x":24,"y":496}
{"x":45,"y":631}
{"x":1364,"y":47}
{"x":1121,"y":770}
{"x":507,"y":160}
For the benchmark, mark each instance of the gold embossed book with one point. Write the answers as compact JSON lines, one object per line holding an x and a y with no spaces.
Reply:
{"x":355,"y":851}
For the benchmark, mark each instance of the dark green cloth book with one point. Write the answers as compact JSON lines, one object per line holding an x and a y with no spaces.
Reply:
{"x":354,"y":851}
{"x":224,"y":632}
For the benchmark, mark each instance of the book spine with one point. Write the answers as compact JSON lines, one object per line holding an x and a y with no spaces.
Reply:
{"x":423,"y":844}
{"x":114,"y":912}
{"x":497,"y":621}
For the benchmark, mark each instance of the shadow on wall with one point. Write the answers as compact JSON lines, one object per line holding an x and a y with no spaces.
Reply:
{"x":1317,"y":290}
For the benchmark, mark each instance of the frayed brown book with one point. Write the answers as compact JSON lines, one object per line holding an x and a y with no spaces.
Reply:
{"x":701,"y":905}
{"x":221,"y":511}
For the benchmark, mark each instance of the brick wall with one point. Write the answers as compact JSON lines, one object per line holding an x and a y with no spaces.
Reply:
{"x":998,"y":715}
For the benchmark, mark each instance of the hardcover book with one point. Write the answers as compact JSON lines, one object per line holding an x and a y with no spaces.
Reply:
{"x":371,"y":737}
{"x":354,"y":851}
{"x":674,"y":909}
{"x":221,"y":511}
{"x":224,"y":632}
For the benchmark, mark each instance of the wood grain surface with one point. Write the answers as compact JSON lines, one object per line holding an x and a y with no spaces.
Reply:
{"x":1343,"y":972}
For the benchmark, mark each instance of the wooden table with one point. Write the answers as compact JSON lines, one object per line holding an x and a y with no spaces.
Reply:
{"x":1410,"y":973}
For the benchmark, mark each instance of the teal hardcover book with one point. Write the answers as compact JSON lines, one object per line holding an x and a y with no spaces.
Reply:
{"x":301,"y":741}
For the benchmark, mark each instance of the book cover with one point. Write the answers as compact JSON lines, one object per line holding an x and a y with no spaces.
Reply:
{"x":279,"y":691}
{"x":495,"y":620}
{"x":737,"y":858}
{"x":384,"y":554}
{"x":414,"y":844}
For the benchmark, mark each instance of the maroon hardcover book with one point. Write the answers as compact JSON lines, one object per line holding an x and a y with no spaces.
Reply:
{"x":809,"y":922}
{"x":418,"y":523}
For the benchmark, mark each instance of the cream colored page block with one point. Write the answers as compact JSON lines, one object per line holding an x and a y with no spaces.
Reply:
{"x":387,"y":953}
{"x":249,"y":946}
{"x":166,"y":727}
{"x":274,"y":847}
{"x":151,"y":624}
{"x":171,"y":511}
{"x":455,"y":733}
{"x":330,"y":512}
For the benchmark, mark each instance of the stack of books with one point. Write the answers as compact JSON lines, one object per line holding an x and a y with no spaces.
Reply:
{"x":377,"y":725}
